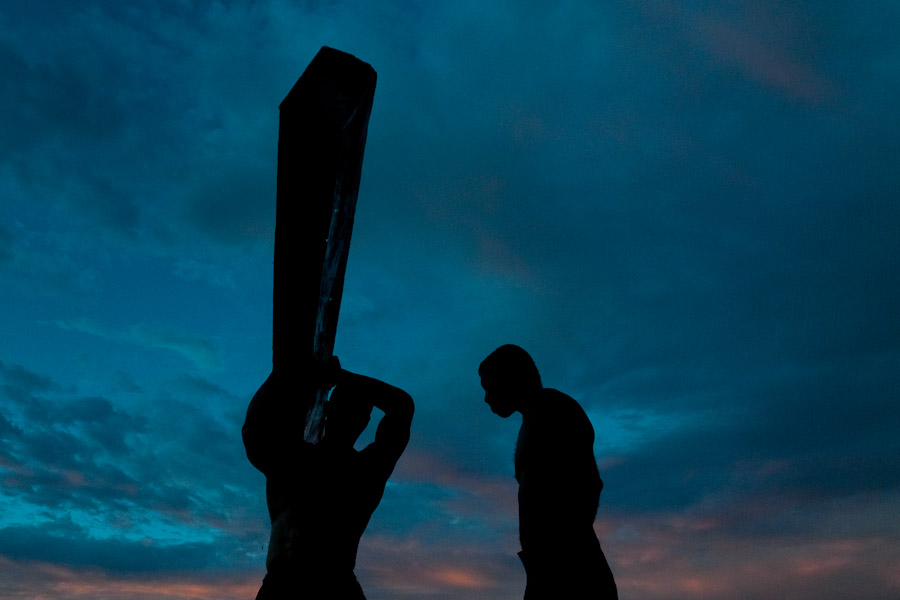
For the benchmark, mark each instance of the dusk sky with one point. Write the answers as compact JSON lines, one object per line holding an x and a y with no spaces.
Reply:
{"x":688,"y":211}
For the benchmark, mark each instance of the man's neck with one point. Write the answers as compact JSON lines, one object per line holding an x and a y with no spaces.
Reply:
{"x":529,"y":402}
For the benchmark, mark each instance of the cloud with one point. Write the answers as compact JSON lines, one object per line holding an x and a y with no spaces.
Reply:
{"x":215,"y":275}
{"x":687,"y":213}
{"x":84,"y":146}
{"x":163,"y":486}
{"x":723,"y":553}
{"x":24,"y":580}
{"x":793,"y":442}
{"x":764,"y":63}
{"x":410,"y":567}
{"x":202,"y":352}
{"x":20,"y":382}
{"x":78,"y":549}
{"x":63,"y":453}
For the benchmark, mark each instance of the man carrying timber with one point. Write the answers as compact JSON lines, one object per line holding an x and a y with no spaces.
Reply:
{"x":321,"y":496}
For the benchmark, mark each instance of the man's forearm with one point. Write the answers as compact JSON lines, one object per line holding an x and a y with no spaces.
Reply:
{"x":390,"y":399}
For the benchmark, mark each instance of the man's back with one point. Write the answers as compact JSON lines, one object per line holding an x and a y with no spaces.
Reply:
{"x":559,"y":490}
{"x":559,"y":486}
{"x":325,"y":507}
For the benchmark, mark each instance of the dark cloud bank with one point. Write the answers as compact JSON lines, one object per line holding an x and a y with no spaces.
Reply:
{"x":686,"y":210}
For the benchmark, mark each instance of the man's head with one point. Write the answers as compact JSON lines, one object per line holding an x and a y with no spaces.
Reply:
{"x":509,"y":378}
{"x":346,"y":415}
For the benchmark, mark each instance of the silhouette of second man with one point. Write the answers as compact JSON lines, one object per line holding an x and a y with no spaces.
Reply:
{"x":559,"y":485}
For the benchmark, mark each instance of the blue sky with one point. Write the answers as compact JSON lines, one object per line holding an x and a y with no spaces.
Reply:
{"x":687,"y":211}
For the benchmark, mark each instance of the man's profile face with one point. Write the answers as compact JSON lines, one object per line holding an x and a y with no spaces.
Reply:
{"x":498,"y":395}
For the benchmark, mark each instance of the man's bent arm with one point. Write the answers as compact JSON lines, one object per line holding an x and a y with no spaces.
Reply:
{"x":392,"y":433}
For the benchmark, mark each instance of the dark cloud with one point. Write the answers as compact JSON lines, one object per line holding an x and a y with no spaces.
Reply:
{"x":686,"y":211}
{"x":805,"y":442}
{"x":58,"y":454}
{"x":117,"y":71}
{"x":75,"y":548}
{"x":19,"y":382}
{"x":173,"y":463}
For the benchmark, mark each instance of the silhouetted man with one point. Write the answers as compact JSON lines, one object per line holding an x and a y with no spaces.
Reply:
{"x":559,"y":486}
{"x":321,"y":496}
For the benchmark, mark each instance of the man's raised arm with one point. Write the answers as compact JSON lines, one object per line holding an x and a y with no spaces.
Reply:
{"x":392,"y":433}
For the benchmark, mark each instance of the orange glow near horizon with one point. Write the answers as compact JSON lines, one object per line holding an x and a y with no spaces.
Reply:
{"x":158,"y":589}
{"x":457,"y":577}
{"x":44,"y":580}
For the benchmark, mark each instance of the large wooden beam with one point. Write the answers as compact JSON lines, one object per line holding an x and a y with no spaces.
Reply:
{"x":321,"y":137}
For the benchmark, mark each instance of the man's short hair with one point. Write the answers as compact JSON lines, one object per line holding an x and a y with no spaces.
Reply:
{"x":513,"y":363}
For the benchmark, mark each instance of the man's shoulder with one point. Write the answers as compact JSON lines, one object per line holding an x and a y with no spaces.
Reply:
{"x":562,"y":409}
{"x":552,"y":393}
{"x":557,"y":401}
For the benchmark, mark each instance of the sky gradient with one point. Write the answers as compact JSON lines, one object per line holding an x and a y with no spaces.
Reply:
{"x":687,"y":211}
